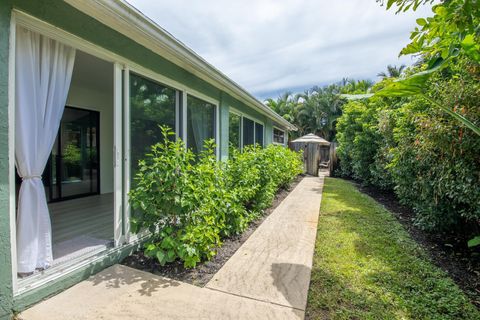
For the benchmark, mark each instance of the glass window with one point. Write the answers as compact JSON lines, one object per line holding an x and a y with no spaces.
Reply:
{"x":248,"y":132}
{"x":151,"y":105}
{"x":278,"y":136}
{"x":234,"y":130}
{"x":73,"y":168}
{"x":258,"y":134}
{"x":200,"y":123}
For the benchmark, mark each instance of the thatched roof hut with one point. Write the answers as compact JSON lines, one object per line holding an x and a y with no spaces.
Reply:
{"x":315,"y":151}
{"x":311,"y":138}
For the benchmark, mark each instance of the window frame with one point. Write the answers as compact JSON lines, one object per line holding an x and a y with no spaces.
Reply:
{"x":127,"y":127}
{"x":160,"y":83}
{"x":255,"y":121}
{"x":263,"y":134}
{"x":122,"y":66}
{"x":238,"y":114}
{"x":216,"y":122}
{"x":119,"y":63}
{"x":98,"y":175}
{"x":284,"y":136}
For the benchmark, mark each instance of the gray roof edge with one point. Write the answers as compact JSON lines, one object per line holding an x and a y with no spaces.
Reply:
{"x":128,"y":20}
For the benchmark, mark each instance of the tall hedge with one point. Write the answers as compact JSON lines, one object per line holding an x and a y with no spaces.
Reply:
{"x":189,"y":202}
{"x":430,"y":160}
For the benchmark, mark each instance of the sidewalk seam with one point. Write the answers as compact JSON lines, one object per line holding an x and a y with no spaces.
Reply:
{"x":255,"y":299}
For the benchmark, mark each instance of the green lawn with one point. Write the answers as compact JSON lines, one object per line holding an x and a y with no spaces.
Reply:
{"x":367,"y":267}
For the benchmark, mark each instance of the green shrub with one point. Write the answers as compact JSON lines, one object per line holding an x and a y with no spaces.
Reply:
{"x":429,"y":159}
{"x":360,"y":142}
{"x":189,"y":203}
{"x":436,"y":167}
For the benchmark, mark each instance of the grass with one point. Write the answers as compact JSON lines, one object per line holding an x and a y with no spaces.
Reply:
{"x":366,"y":266}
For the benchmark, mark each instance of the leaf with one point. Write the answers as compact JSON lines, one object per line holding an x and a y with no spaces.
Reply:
{"x":410,"y":86}
{"x":171,"y":256}
{"x":472,"y":49}
{"x":412,"y":48}
{"x":390,"y":3}
{"x":441,"y":11}
{"x":474,"y":242}
{"x":460,"y":118}
{"x":421,"y":22}
{"x":161,"y":257}
{"x":435,"y":62}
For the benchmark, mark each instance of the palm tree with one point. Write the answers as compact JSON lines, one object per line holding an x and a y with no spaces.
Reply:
{"x":317,"y":109}
{"x":392,"y":72}
{"x":283,"y":105}
{"x":364,"y":85}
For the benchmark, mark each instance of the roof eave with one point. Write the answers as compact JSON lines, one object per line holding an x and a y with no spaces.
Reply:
{"x":126,"y":19}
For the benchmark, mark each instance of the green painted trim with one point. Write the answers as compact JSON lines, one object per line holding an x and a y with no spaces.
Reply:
{"x":224,"y":132}
{"x":29,"y":298}
{"x":63,"y":16}
{"x":268,"y":132}
{"x":6,"y":286}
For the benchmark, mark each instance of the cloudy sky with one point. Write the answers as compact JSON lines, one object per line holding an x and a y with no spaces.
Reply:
{"x":271,"y":46}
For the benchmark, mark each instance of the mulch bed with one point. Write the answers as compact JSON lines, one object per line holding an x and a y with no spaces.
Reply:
{"x":203,"y":272}
{"x":448,"y":251}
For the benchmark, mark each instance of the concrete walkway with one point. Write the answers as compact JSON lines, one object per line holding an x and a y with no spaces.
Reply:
{"x":267,"y":278}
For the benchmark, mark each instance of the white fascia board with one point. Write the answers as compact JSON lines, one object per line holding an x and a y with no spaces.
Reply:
{"x":124,"y":18}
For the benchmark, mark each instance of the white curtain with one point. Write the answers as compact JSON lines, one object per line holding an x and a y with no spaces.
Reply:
{"x":202,"y":125}
{"x":43,"y":71}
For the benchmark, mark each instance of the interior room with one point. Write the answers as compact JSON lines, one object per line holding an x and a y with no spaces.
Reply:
{"x":78,"y":177}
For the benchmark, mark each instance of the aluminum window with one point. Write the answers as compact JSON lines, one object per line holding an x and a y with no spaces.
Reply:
{"x":259,"y":134}
{"x":278,"y":136}
{"x":151,"y":105}
{"x":234,"y":130}
{"x":201,"y":117}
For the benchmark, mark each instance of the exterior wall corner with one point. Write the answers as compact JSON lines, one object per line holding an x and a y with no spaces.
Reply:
{"x":224,"y":123}
{"x":6,"y":285}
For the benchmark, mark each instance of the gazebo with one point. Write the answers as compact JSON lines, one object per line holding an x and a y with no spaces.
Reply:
{"x":315,"y":152}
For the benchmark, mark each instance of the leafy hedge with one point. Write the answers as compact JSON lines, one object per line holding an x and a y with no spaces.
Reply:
{"x":189,"y":203}
{"x":429,"y":159}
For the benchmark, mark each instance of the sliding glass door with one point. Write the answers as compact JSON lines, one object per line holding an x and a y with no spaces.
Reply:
{"x":151,"y":105}
{"x":73,"y":169}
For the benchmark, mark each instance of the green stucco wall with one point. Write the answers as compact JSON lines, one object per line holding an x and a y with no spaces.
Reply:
{"x":5,"y":251}
{"x":224,"y":111}
{"x":64,"y":16}
{"x":268,"y":132}
{"x":69,"y":19}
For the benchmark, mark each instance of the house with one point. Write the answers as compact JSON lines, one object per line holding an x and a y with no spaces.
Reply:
{"x":84,"y":85}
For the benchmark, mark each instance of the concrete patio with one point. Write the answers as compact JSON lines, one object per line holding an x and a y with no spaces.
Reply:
{"x":267,"y":278}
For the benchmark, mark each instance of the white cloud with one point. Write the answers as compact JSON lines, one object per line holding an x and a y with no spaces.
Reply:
{"x":270,"y":46}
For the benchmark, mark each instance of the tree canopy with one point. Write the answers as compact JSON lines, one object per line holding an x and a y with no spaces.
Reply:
{"x":317,"y":109}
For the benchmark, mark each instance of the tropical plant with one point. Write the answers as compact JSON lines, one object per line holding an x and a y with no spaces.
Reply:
{"x":392,"y":72}
{"x":317,"y":109}
{"x":284,"y":105}
{"x":453,"y":31}
{"x":404,"y":5}
{"x":190,"y":202}
{"x":416,"y":85}
{"x":399,"y":141}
